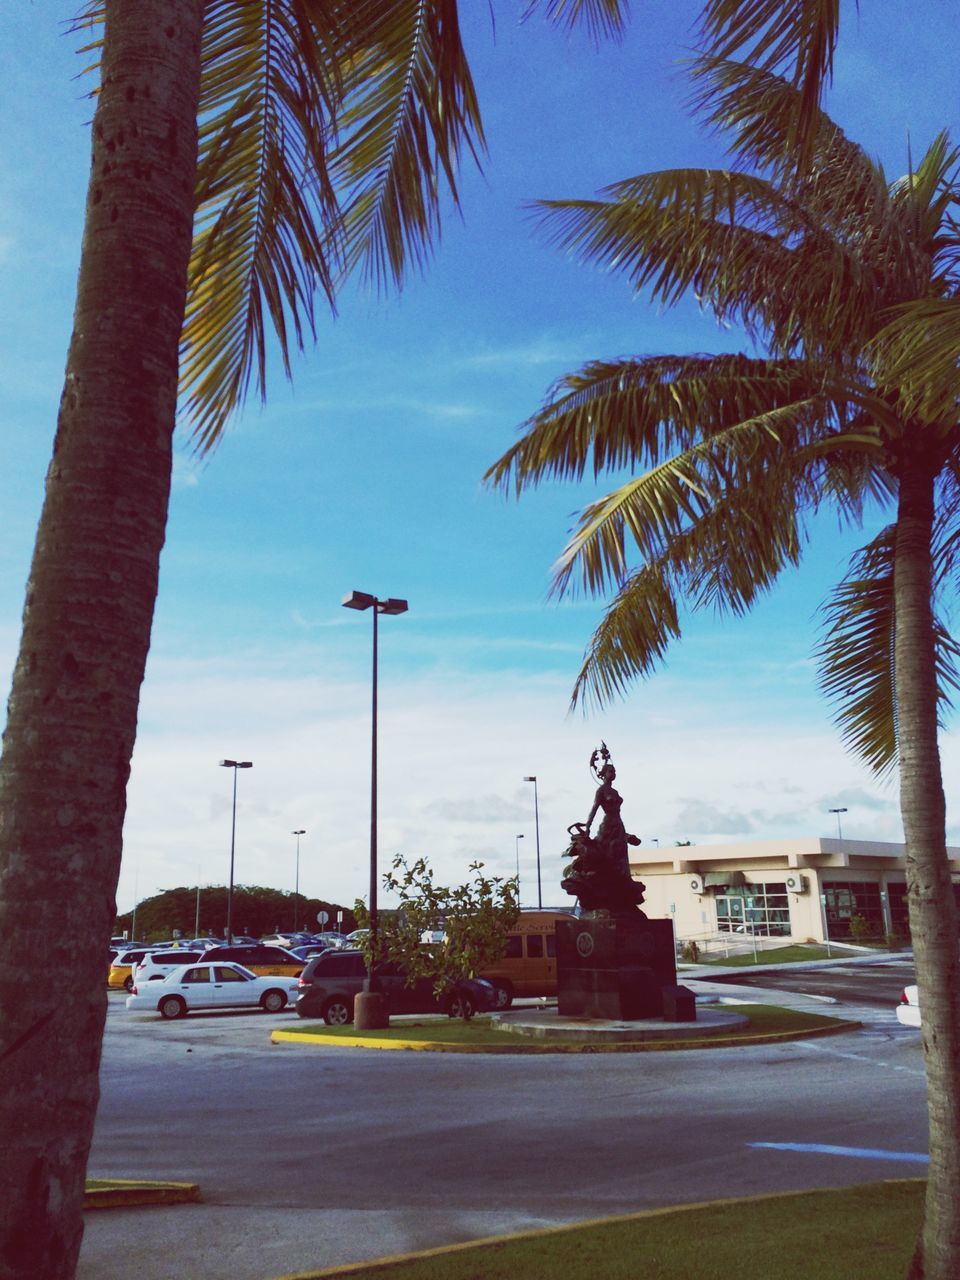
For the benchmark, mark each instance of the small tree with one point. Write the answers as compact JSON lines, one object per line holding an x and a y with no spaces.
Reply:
{"x":474,"y":919}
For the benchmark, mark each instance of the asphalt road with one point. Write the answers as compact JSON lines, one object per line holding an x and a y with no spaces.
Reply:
{"x":381,"y":1152}
{"x":871,"y":985}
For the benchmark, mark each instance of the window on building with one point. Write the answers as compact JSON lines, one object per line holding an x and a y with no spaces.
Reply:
{"x":850,"y":900}
{"x":761,"y":910}
{"x":899,"y":912}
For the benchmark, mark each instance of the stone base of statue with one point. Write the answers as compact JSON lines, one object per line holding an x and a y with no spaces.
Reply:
{"x":618,"y":966}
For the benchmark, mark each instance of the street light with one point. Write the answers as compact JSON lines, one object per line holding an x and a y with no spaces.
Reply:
{"x":370,"y":1008}
{"x":838,"y":813}
{"x":234,"y":765}
{"x":296,"y":883}
{"x":518,"y":839}
{"x":536,"y":812}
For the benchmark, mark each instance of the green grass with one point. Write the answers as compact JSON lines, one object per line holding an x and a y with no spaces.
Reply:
{"x":858,"y":1233}
{"x":779,"y":955}
{"x":765,"y":1020}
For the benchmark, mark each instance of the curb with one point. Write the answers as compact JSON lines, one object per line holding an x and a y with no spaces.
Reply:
{"x":382,"y":1264}
{"x":627,"y":1046}
{"x":120,"y":1193}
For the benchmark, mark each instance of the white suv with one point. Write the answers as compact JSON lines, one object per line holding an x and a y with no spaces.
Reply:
{"x":157,"y":964}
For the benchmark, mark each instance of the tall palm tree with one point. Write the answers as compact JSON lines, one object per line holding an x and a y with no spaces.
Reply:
{"x":246,"y":154}
{"x":731,"y":456}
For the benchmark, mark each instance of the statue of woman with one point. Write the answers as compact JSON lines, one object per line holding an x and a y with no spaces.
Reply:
{"x":611,"y":833}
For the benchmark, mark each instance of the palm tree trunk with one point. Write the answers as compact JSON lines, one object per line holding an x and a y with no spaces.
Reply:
{"x":86,"y":627}
{"x":933,"y":914}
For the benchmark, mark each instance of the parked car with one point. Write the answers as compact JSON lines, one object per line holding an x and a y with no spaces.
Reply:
{"x":331,"y":981}
{"x":286,"y":939}
{"x":331,"y":939}
{"x":121,"y":968}
{"x":908,"y":1010}
{"x":157,"y":964}
{"x":310,"y":950}
{"x":212,"y":986}
{"x":262,"y":959}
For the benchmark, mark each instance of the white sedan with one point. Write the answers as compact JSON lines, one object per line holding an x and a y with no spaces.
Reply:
{"x":212,"y":986}
{"x":908,"y":1010}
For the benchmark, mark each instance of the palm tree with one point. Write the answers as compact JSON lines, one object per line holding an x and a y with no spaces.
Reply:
{"x":731,"y":456}
{"x":246,"y":155}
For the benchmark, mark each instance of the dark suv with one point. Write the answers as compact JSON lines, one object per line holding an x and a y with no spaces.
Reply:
{"x":330,"y":981}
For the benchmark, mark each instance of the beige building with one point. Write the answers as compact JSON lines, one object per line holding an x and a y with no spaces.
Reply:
{"x":797,"y":890}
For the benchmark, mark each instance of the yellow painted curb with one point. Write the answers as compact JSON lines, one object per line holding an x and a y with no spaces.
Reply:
{"x":123,"y":1192}
{"x":622,"y":1046}
{"x":539,"y":1233}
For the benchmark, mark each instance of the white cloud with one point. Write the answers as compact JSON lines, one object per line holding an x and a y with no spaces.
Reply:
{"x":453,"y":752}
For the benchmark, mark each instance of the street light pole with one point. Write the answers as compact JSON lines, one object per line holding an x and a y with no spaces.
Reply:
{"x":517,"y":842}
{"x":838,"y":813}
{"x":234,"y":765}
{"x":296,"y":884}
{"x":536,"y":812}
{"x":370,"y":1008}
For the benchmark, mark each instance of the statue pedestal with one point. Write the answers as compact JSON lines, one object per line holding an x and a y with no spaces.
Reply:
{"x":614,"y":967}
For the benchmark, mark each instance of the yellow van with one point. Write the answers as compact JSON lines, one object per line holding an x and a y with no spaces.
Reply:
{"x":529,"y":964}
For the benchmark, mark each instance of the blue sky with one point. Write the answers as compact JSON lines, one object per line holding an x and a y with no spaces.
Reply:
{"x":366,"y":474}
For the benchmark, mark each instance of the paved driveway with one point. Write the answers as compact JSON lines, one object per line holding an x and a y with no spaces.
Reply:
{"x":312,"y":1157}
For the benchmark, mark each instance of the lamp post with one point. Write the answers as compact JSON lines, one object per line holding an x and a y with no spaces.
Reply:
{"x":838,"y":813}
{"x":536,"y":814}
{"x":296,"y":883}
{"x":234,"y":765}
{"x":369,"y":1007}
{"x":517,"y":842}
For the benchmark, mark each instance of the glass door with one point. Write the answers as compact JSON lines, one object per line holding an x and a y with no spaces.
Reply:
{"x":730,"y":914}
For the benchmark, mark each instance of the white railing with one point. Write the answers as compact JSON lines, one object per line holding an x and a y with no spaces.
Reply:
{"x":712,"y":946}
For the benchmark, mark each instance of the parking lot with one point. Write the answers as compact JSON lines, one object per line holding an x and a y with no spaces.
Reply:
{"x":309,"y":1157}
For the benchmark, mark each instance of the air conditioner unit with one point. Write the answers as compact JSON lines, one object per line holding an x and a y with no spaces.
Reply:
{"x":796,"y":883}
{"x":696,"y":884}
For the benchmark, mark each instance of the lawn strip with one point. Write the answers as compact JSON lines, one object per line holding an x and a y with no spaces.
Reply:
{"x":116,"y":1193}
{"x":866,"y":1231}
{"x":767,"y":1024}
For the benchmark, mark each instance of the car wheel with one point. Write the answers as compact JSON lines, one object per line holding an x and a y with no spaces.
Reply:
{"x":460,"y":1007}
{"x":273,"y":1001}
{"x":337,"y":1012}
{"x":128,"y":983}
{"x":172,"y":1007}
{"x":502,"y":995}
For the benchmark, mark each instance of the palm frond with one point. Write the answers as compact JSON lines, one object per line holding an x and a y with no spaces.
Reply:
{"x":727,"y":486}
{"x":856,"y":656}
{"x":265,"y":203}
{"x":409,"y":113}
{"x":747,"y":249}
{"x":917,"y":353}
{"x":794,"y":38}
{"x":604,"y":19}
{"x":729,"y":558}
{"x":634,"y":412}
{"x":632,"y":638}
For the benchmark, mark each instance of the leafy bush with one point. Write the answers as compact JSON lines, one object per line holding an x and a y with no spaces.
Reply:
{"x":473,"y":919}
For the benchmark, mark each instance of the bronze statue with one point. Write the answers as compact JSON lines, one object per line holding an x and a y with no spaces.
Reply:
{"x":599,"y":874}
